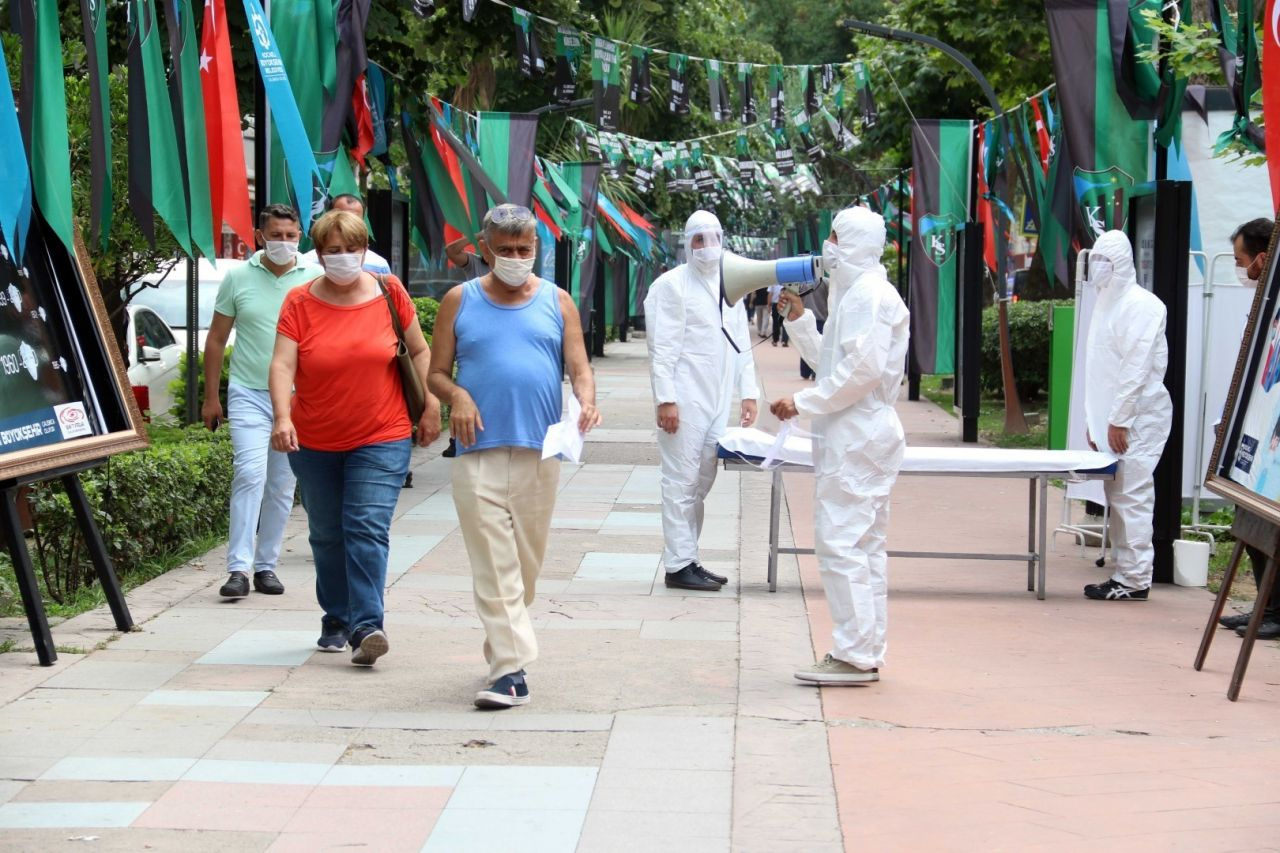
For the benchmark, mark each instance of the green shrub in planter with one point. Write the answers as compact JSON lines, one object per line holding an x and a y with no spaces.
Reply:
{"x":1029,"y":343}
{"x":427,"y":308}
{"x":147,"y":503}
{"x":178,"y":387}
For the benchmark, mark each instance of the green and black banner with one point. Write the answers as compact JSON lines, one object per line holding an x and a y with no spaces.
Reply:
{"x":606,"y":83}
{"x":641,"y":82}
{"x":528,"y":56}
{"x":584,"y":178}
{"x":679,"y":67}
{"x":93,"y":14}
{"x":1104,"y":153}
{"x":721,"y":109}
{"x":568,"y":55}
{"x":506,"y":143}
{"x":746,"y":83}
{"x":783,"y":157}
{"x":746,"y":165}
{"x":941,"y":155}
{"x":866,"y":98}
{"x":809,"y":86}
{"x":777,"y":99}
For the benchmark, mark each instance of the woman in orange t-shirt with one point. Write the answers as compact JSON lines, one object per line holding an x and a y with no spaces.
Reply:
{"x":340,"y":414}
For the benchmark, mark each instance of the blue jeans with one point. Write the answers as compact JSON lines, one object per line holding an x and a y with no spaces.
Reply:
{"x":261,"y":485}
{"x":349,"y":497}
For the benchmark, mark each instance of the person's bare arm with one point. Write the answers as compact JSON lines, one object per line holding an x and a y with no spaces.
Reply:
{"x":284,"y":366}
{"x":456,"y":251}
{"x":215,"y":348}
{"x":581,"y":377}
{"x":464,"y":418}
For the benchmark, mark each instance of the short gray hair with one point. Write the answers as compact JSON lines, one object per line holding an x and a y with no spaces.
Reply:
{"x":510,"y":219}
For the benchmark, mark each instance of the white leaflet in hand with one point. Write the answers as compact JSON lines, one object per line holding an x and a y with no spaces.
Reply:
{"x":563,"y":437}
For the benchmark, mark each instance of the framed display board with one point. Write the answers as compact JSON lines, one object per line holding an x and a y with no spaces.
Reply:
{"x":65,"y":400}
{"x":1245,"y":464}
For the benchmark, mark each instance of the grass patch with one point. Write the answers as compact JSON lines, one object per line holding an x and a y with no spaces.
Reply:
{"x":990,"y":417}
{"x":90,"y":597}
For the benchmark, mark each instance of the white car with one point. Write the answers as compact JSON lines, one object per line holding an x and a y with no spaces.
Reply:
{"x":168,"y":296}
{"x":153,"y":354}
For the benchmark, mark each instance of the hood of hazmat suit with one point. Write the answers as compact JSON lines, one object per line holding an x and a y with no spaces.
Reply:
{"x":858,"y":446}
{"x":692,"y":364}
{"x":1126,"y":354}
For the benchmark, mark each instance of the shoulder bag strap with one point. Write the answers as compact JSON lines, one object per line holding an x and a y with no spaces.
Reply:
{"x":395,"y":316}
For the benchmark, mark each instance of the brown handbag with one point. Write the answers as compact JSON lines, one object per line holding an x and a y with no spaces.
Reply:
{"x":415,"y":395}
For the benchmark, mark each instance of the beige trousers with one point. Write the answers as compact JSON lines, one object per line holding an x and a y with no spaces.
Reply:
{"x":505,"y":497}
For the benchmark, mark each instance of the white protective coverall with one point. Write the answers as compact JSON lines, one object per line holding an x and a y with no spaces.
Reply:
{"x":1125,"y":362}
{"x":859,"y":443}
{"x":692,"y":364}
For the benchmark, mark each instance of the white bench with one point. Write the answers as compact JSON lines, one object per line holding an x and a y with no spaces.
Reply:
{"x":1035,"y":466}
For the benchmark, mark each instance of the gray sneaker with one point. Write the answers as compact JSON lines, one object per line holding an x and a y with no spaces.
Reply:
{"x":836,"y":672}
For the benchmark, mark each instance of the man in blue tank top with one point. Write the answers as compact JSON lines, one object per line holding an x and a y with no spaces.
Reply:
{"x":507,"y":332}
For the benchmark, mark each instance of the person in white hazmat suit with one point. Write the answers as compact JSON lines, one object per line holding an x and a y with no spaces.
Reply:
{"x":1127,"y":408}
{"x":858,"y":445}
{"x":694,"y":369}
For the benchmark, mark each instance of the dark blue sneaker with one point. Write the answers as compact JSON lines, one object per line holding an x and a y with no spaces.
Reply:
{"x":367,"y":645}
{"x":333,"y":636}
{"x":507,"y":692}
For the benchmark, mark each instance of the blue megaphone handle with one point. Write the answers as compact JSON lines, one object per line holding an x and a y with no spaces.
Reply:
{"x":795,"y":270}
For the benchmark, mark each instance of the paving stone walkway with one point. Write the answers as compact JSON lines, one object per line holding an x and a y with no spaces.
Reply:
{"x":660,"y":720}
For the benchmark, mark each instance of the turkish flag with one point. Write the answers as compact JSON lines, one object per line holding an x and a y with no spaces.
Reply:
{"x":228,"y":181}
{"x":985,"y":215}
{"x":1042,"y":136}
{"x":362,"y":113}
{"x":1271,"y":95}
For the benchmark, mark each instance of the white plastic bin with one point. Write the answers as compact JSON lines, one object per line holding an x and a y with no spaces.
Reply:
{"x":1190,"y":562}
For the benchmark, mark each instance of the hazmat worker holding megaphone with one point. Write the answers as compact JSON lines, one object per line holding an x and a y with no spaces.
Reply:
{"x":699,"y":352}
{"x":858,"y":440}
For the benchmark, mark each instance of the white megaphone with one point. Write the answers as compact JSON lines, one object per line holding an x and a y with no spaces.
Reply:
{"x":740,"y":276}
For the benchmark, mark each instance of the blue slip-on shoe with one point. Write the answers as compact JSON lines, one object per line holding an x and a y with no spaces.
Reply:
{"x":507,"y":692}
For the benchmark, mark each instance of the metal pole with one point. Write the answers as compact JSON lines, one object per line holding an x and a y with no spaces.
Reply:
{"x":193,"y":341}
{"x":261,"y":137}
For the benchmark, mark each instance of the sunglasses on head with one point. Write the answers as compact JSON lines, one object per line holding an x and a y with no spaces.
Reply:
{"x":510,"y":213}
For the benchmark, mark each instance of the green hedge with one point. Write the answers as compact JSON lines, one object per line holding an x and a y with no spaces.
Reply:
{"x":1029,"y":343}
{"x":148,"y":504}
{"x":178,"y":387}
{"x":427,"y":308}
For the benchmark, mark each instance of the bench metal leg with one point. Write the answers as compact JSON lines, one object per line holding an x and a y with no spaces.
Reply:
{"x":1042,"y":552}
{"x":775,"y":505}
{"x":1031,"y":533}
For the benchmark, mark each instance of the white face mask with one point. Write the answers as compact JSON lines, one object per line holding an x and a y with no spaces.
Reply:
{"x":830,"y":257}
{"x":513,"y":272}
{"x":1100,"y":272}
{"x":344,"y":268}
{"x":280,"y":252}
{"x":707,"y":258}
{"x":1242,"y":274}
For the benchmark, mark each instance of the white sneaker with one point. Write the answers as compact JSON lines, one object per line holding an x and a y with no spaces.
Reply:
{"x":836,"y":672}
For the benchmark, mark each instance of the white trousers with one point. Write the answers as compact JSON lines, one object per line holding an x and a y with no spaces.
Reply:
{"x":1131,"y":497}
{"x":262,"y":483}
{"x":850,"y":534}
{"x":688,"y":470}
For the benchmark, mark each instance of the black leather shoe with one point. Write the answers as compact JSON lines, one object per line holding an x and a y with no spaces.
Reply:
{"x":267,"y":583}
{"x":1268,"y":630}
{"x":1235,"y":620}
{"x":689,"y":578}
{"x":237,"y":586}
{"x":710,"y":575}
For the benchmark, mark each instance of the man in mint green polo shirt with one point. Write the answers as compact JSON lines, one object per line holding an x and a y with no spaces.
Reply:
{"x":262,"y":484}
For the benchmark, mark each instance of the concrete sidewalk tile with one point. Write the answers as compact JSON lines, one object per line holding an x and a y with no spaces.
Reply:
{"x":556,"y":622}
{"x":640,"y":742}
{"x":689,"y":629}
{"x":237,"y":807}
{"x":263,"y":648}
{"x":9,"y":788}
{"x":392,"y":776}
{"x":280,"y":773}
{"x":406,"y":550}
{"x":95,"y":673}
{"x":206,"y":698}
{"x":24,"y":767}
{"x":663,"y":791}
{"x":120,"y":769}
{"x":552,"y":723}
{"x":69,"y":815}
{"x":288,"y":751}
{"x":462,"y":721}
{"x":353,"y":719}
{"x":457,"y":830}
{"x":604,"y":829}
{"x":524,"y":788}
